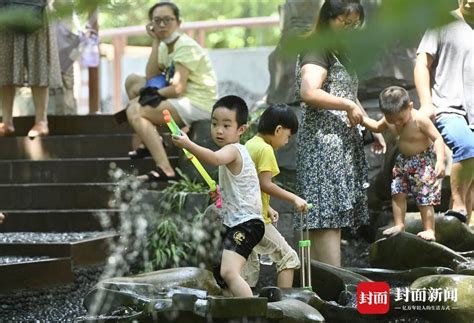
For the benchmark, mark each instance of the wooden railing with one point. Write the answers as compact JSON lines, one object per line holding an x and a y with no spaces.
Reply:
{"x":197,"y":30}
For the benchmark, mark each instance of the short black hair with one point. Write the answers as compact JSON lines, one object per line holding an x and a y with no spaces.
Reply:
{"x":275,"y":115}
{"x":393,"y":100}
{"x":171,"y":5}
{"x":235,"y":103}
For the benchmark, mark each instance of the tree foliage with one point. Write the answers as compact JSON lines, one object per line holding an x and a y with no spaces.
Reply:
{"x":120,"y":13}
{"x":394,"y":23}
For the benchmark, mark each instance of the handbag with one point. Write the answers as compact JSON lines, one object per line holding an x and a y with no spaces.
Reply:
{"x":367,"y":136}
{"x":23,"y":16}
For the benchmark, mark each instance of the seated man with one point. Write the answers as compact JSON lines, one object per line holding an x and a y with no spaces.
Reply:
{"x":189,"y":96}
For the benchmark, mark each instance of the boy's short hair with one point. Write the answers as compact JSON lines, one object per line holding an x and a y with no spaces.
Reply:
{"x":275,"y":115}
{"x":393,"y":100}
{"x":235,"y":103}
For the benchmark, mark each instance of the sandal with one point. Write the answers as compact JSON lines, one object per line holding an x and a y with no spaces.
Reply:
{"x":140,"y":152}
{"x":458,"y":215}
{"x":162,"y":177}
{"x":5,"y":130}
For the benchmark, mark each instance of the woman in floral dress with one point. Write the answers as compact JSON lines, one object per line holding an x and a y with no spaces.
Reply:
{"x":332,"y":171}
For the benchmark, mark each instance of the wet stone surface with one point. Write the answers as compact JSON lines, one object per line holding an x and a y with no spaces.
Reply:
{"x":40,"y":237}
{"x":57,"y":304}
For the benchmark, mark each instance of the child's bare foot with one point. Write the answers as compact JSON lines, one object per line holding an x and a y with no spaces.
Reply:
{"x":394,"y":230}
{"x":428,"y":235}
{"x":2,"y":217}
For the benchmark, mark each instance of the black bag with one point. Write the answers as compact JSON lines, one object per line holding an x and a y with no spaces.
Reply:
{"x":23,"y":16}
{"x":367,"y":136}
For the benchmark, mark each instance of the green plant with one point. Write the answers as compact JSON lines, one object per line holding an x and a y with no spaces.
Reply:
{"x":167,"y":248}
{"x":180,"y":240}
{"x":174,"y":196}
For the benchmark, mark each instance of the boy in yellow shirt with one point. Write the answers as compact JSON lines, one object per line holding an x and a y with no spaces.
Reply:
{"x":276,"y":125}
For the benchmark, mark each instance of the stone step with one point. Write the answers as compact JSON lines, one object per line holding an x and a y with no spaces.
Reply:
{"x":71,"y":170}
{"x":68,"y":220}
{"x":77,"y":124}
{"x":55,"y":196}
{"x":36,"y":274}
{"x":85,"y":252}
{"x":74,"y":146}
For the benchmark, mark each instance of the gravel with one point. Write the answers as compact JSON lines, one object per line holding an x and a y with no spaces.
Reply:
{"x":56,"y":304}
{"x":42,"y":237}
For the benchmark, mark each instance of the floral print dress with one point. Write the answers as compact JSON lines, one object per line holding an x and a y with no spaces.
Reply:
{"x":331,"y":167}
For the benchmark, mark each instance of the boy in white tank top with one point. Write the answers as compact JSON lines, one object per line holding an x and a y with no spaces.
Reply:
{"x":241,"y":200}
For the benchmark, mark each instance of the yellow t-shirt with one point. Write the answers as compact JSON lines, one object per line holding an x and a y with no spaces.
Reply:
{"x":263,"y":157}
{"x":201,"y":88}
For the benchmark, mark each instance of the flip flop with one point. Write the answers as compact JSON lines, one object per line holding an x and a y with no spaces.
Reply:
{"x":152,"y":178}
{"x":140,"y":152}
{"x":458,"y":215}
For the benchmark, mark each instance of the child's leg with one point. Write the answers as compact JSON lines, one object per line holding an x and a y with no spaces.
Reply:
{"x":251,"y":271}
{"x":286,"y":259}
{"x":399,"y":209}
{"x":232,"y":264}
{"x":427,"y":217}
{"x":285,"y":278}
{"x":469,"y":203}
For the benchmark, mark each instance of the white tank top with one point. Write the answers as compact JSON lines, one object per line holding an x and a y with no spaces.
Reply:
{"x":241,"y":199}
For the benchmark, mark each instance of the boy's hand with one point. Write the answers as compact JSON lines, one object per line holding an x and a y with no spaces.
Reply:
{"x":378,"y":146}
{"x":273,"y":214}
{"x":214,"y":196}
{"x":300,"y":204}
{"x":181,"y":141}
{"x":440,"y":169}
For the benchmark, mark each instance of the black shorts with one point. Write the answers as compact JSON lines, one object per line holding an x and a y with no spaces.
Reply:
{"x":241,"y":239}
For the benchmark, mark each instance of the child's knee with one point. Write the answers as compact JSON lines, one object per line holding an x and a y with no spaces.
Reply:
{"x":289,"y":261}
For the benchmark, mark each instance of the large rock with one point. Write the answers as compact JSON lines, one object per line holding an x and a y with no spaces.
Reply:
{"x":406,"y":251}
{"x":461,"y":302}
{"x":295,"y":311}
{"x":449,"y":232}
{"x":330,"y":281}
{"x":378,"y":274}
{"x":189,"y":277}
{"x":465,"y":268}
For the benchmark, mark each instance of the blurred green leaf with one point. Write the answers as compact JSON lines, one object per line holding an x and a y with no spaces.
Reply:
{"x":395,"y":23}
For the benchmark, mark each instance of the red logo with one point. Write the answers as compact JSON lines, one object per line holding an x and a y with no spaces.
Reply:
{"x":373,"y":298}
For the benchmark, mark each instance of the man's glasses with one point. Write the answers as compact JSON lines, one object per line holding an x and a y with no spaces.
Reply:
{"x":166,"y":20}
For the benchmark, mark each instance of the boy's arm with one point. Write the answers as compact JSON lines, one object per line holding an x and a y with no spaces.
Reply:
{"x":223,"y":156}
{"x":374,"y":125}
{"x":267,"y":186}
{"x":428,"y":129}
